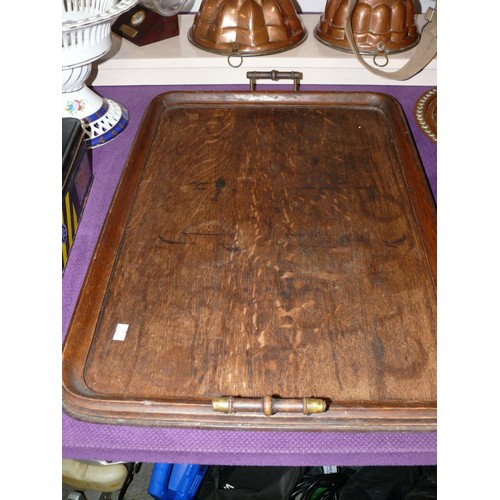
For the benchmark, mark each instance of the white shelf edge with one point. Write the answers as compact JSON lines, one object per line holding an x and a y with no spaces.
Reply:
{"x":176,"y":61}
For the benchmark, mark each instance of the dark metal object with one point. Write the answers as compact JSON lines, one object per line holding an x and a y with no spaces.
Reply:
{"x":132,"y":468}
{"x":275,"y":76}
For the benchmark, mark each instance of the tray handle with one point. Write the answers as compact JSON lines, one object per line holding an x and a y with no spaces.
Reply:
{"x":269,"y":405}
{"x":274,"y":75}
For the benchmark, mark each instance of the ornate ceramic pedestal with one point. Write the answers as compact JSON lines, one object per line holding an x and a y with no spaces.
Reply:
{"x":86,"y":37}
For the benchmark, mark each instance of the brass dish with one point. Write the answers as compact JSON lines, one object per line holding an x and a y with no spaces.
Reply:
{"x":426,"y":113}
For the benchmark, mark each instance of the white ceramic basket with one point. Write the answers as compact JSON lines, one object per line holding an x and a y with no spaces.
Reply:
{"x":86,"y":36}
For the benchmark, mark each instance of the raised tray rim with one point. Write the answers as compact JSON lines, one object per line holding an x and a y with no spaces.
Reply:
{"x":82,"y":403}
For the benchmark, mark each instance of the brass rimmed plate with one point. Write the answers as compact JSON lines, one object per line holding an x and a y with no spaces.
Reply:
{"x":426,"y":113}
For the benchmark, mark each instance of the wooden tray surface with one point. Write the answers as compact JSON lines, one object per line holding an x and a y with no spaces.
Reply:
{"x":262,"y":243}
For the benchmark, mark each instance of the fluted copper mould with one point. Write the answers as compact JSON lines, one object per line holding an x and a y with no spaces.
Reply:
{"x":378,"y":26}
{"x":247,"y":27}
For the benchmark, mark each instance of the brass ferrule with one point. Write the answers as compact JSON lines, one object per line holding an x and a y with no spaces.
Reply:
{"x":314,"y":405}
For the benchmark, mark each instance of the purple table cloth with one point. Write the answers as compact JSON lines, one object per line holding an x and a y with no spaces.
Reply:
{"x":90,"y":441}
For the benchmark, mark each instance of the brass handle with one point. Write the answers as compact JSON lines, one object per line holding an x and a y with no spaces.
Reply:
{"x":269,"y":405}
{"x":274,"y":75}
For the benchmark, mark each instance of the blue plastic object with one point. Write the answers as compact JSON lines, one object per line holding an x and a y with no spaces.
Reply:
{"x":176,"y":481}
{"x":159,"y":481}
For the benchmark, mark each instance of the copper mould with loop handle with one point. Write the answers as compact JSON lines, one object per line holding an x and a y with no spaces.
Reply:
{"x":239,"y":28}
{"x":380,"y":27}
{"x":358,"y":30}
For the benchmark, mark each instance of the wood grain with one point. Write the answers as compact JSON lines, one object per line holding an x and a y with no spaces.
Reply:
{"x":263,"y":244}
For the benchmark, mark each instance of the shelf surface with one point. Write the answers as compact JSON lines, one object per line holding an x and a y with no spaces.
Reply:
{"x":176,"y":61}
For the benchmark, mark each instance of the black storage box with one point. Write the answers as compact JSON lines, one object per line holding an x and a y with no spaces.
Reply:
{"x":77,"y":178}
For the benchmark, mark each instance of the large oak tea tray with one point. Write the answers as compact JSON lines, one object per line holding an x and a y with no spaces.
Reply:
{"x":268,"y":262}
